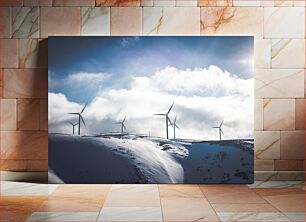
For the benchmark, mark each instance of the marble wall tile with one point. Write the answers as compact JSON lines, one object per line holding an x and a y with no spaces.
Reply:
{"x":278,"y":19}
{"x":5,"y":22}
{"x":25,"y":83}
{"x":249,"y":3}
{"x":95,"y":21}
{"x":279,"y":114}
{"x":300,"y":114}
{"x":305,"y":82}
{"x":232,"y":21}
{"x":146,"y":2}
{"x":118,"y":3}
{"x":126,"y":21}
{"x":262,"y":53}
{"x":37,"y":165}
{"x":33,"y":53}
{"x":43,"y":114}
{"x":8,"y":114}
{"x":289,"y":165}
{"x":163,"y":3}
{"x":28,"y":114}
{"x":258,"y":114}
{"x":186,"y":3}
{"x":292,"y":144}
{"x":211,"y":3}
{"x":283,"y":3}
{"x":13,"y":165}
{"x":5,"y":3}
{"x":1,"y":83}
{"x":24,"y":145}
{"x":273,"y":83}
{"x":299,"y":3}
{"x":37,"y":2}
{"x":8,"y":53}
{"x":284,"y":50}
{"x":171,"y":21}
{"x":73,"y":2}
{"x":267,"y":3}
{"x":263,"y":165}
{"x":25,"y":22}
{"x":267,"y":145}
{"x":51,"y":17}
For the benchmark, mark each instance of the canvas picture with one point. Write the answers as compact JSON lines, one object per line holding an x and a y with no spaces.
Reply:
{"x":151,"y":109}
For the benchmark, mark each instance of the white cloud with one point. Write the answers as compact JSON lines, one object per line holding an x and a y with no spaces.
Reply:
{"x":203,"y":98}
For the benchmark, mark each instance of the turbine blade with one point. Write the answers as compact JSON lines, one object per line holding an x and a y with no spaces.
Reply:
{"x":83,"y":120}
{"x":221,"y":131}
{"x":169,"y":120}
{"x":83,"y":108}
{"x":174,"y":120}
{"x":74,"y":113}
{"x":159,"y":114}
{"x":124,"y":126}
{"x":117,"y":122}
{"x":170,"y":108}
{"x":221,"y":123}
{"x":177,"y":127}
{"x":124,"y":119}
{"x":215,"y":127}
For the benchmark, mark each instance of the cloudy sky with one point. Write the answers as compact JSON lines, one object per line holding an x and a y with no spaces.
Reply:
{"x":209,"y":79}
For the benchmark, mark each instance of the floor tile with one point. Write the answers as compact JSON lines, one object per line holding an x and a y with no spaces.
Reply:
{"x":276,"y":184}
{"x":182,"y":190}
{"x":63,"y":216}
{"x":264,"y":207}
{"x":230,"y":194}
{"x":26,"y":189}
{"x":133,"y":196}
{"x":187,"y":209}
{"x":296,"y":216}
{"x":268,"y":216}
{"x":130,"y":214}
{"x":18,"y":208}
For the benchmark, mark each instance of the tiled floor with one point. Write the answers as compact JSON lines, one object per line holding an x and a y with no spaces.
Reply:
{"x":269,"y":201}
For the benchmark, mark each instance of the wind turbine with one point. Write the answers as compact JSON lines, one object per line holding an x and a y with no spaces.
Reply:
{"x":122,"y":124}
{"x":80,"y":118}
{"x":220,"y":129}
{"x":174,"y":125}
{"x":73,"y":125}
{"x":167,"y":119}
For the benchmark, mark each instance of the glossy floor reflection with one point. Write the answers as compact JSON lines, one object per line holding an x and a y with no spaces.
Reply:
{"x":270,"y":201}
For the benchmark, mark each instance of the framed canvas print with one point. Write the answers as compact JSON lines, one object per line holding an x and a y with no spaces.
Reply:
{"x":151,"y":109}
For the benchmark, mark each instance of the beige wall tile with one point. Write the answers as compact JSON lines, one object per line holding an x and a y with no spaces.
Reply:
{"x":232,"y":21}
{"x":146,"y":2}
{"x":95,"y":21}
{"x":126,"y":20}
{"x":220,"y":3}
{"x":25,"y":22}
{"x":264,"y":165}
{"x":28,"y":114}
{"x":118,"y":3}
{"x":266,"y":3}
{"x":43,"y":116}
{"x":25,"y":83}
{"x":267,"y":145}
{"x":278,"y":22}
{"x":159,"y":21}
{"x":258,"y":114}
{"x":13,"y":165}
{"x":33,"y":53}
{"x":279,"y":114}
{"x":304,"y":82}
{"x":8,"y":114}
{"x":73,"y":2}
{"x":262,"y":53}
{"x":1,"y":83}
{"x":289,"y":165}
{"x":300,"y":114}
{"x":186,"y":3}
{"x":4,"y":3}
{"x":292,"y":144}
{"x":283,"y":3}
{"x":37,"y":165}
{"x":37,"y":2}
{"x":299,"y":3}
{"x":284,"y":50}
{"x":246,"y":3}
{"x":8,"y":53}
{"x":51,"y":17}
{"x":279,"y":83}
{"x":5,"y":22}
{"x":163,"y":3}
{"x":24,"y":145}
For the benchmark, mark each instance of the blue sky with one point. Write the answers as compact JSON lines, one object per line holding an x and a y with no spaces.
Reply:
{"x":125,"y":57}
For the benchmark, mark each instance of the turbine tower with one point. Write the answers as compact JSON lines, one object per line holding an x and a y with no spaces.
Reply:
{"x":167,"y":119}
{"x":174,"y":125}
{"x":220,"y":129}
{"x":80,"y":118}
{"x":122,"y":124}
{"x":73,"y":125}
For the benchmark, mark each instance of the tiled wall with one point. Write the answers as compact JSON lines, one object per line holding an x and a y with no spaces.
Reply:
{"x":279,"y":28}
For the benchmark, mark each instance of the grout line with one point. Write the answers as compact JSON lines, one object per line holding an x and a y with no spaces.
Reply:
{"x":160,"y":203}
